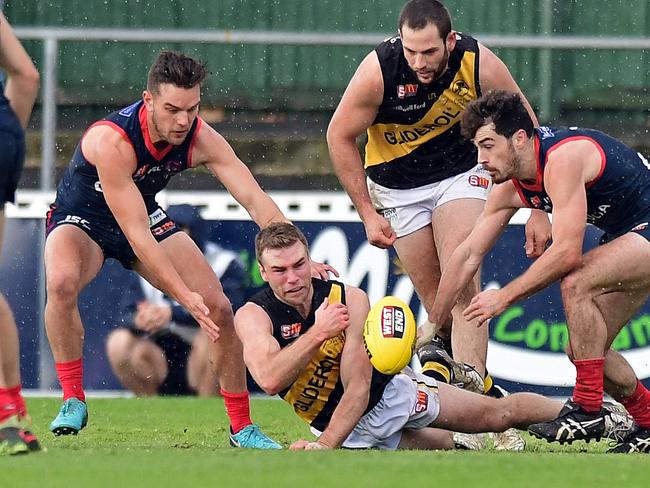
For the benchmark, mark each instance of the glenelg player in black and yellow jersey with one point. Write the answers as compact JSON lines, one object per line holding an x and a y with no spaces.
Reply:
{"x":303,"y":340}
{"x":422,"y":189}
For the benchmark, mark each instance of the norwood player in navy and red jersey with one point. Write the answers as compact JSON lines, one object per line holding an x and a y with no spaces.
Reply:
{"x":581,"y":176}
{"x":420,"y":188}
{"x":17,"y":96}
{"x":105,"y":208}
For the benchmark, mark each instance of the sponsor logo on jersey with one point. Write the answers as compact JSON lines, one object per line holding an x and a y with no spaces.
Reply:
{"x":75,"y":219}
{"x":392,"y":322}
{"x":174,"y":166}
{"x":155,"y":217}
{"x":408,"y":90}
{"x":546,"y":132}
{"x":536,"y":201}
{"x":163,"y":229}
{"x":422,"y":402}
{"x":408,"y":108}
{"x":447,"y":117}
{"x":290,"y":331}
{"x":141,"y":172}
{"x":128,"y":111}
{"x":460,"y":88}
{"x":598,"y":213}
{"x":479,"y":181}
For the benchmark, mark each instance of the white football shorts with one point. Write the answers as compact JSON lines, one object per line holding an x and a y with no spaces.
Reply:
{"x":411,"y":209}
{"x":407,"y":403}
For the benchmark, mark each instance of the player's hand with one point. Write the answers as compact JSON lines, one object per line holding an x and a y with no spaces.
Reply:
{"x":426,"y":332}
{"x":307,"y":446}
{"x":320,"y":270}
{"x":151,"y":318}
{"x":538,"y":233}
{"x":194,"y":304}
{"x":379,"y":231}
{"x":485,"y":305}
{"x":330,"y":319}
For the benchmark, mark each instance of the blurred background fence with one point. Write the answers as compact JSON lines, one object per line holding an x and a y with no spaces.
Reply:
{"x":279,"y":67}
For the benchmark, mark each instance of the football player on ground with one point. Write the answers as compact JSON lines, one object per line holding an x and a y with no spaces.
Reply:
{"x":303,"y":340}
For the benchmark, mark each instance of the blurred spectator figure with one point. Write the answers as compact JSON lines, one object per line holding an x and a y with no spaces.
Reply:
{"x":159,"y":349}
{"x":18,"y":90}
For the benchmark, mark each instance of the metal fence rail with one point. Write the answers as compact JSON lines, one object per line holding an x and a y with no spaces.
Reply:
{"x":52,"y":36}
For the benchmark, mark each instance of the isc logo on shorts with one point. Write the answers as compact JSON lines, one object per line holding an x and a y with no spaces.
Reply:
{"x":392,"y":322}
{"x":75,"y":219}
{"x":480,"y":181}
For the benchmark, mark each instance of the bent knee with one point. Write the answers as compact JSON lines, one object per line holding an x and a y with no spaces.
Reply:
{"x":573,"y":286}
{"x":63,"y":286}
{"x":119,"y":344}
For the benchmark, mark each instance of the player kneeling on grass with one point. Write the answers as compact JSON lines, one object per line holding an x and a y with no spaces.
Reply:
{"x":303,"y":340}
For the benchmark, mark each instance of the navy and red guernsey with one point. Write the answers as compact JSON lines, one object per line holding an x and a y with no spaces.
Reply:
{"x":618,"y":199}
{"x":80,"y":189}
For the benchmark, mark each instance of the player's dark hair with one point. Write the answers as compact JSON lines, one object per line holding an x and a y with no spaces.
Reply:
{"x":176,"y":69}
{"x":503,"y":108}
{"x":417,"y":14}
{"x":278,"y":235}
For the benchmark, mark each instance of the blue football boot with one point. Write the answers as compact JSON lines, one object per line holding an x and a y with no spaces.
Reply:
{"x":251,"y":437}
{"x":72,"y":417}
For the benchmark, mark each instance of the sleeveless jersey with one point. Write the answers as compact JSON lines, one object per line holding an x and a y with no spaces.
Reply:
{"x":618,"y":198}
{"x":318,"y":388}
{"x":415,"y":138}
{"x":8,"y":119}
{"x":80,"y":187}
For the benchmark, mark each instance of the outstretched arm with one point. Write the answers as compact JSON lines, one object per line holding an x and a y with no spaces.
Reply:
{"x":355,"y":113}
{"x":467,"y":258}
{"x":564,"y":179}
{"x":212,"y":150}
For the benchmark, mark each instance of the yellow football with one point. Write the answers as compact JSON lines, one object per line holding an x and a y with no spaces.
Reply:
{"x":389,"y":335}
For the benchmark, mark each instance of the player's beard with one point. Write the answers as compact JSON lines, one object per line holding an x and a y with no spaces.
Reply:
{"x":512,"y":169}
{"x":439,"y":70}
{"x":165,"y":137}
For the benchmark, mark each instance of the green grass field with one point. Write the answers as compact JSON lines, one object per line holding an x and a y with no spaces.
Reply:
{"x":161,"y":442}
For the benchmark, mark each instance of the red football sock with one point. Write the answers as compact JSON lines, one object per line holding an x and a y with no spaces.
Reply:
{"x":71,"y":378}
{"x":238,"y":409}
{"x":588,"y":392}
{"x":639,"y":405}
{"x":18,"y":399}
{"x":11,"y":402}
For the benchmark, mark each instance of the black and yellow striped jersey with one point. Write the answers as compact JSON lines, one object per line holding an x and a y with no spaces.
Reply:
{"x":415,"y":138}
{"x":318,"y":389}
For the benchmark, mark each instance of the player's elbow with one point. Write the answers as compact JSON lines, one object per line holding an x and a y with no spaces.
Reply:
{"x":29,"y":79}
{"x":337,"y":136}
{"x":270,"y":386}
